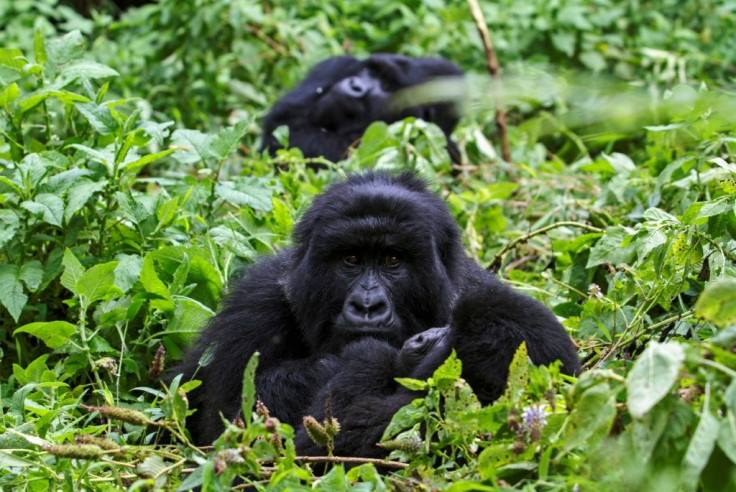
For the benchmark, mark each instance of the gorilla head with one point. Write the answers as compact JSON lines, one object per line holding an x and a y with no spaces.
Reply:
{"x":340,"y":97}
{"x":376,"y":256}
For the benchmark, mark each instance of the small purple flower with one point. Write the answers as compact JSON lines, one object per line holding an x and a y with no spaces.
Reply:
{"x":535,"y":418}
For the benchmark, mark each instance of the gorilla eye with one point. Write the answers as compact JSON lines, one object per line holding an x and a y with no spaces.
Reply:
{"x":351,"y":260}
{"x":391,"y":261}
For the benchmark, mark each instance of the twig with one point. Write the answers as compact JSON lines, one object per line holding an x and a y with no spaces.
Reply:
{"x":529,"y":235}
{"x":345,"y":459}
{"x":493,"y":69}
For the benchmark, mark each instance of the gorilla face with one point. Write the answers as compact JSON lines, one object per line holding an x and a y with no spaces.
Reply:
{"x":331,"y":108}
{"x":419,"y":347}
{"x":354,"y":99}
{"x":372,"y":259}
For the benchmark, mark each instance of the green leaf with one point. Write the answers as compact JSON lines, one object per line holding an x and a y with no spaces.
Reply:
{"x":153,"y":284}
{"x":699,"y":450}
{"x":88,"y":69}
{"x":135,"y":165}
{"x":717,"y":303}
{"x":256,"y":197}
{"x":79,"y":195}
{"x":39,"y":47}
{"x":518,"y":379}
{"x":98,"y":282}
{"x":11,"y":290}
{"x":727,"y":436}
{"x":226,"y":142}
{"x":592,"y":417}
{"x":98,"y":117}
{"x":53,"y":333}
{"x":412,"y":384}
{"x":610,"y":249}
{"x":449,"y":372}
{"x":73,"y":270}
{"x":31,"y":274}
{"x":8,"y":95}
{"x":652,"y":376}
{"x":12,"y":58}
{"x":49,"y":207}
{"x":249,"y":387}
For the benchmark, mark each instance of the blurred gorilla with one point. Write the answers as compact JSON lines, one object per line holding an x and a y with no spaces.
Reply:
{"x":331,"y":108}
{"x":376,"y":260}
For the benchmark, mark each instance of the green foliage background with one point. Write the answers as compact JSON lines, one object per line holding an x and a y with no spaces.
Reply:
{"x":131,"y":192}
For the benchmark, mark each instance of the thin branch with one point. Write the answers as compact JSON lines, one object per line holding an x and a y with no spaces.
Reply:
{"x":522,"y":239}
{"x":493,"y":69}
{"x":345,"y":459}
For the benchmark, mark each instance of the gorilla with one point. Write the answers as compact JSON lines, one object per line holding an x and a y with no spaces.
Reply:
{"x":331,"y":108}
{"x":377,"y":263}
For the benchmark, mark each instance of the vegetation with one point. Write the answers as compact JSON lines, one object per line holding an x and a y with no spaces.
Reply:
{"x":131,"y":192}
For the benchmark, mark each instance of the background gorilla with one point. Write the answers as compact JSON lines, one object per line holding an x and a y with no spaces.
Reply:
{"x":376,"y":259}
{"x":341,"y":96}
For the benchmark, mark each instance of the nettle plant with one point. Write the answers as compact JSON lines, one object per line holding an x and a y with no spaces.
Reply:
{"x":114,"y":226}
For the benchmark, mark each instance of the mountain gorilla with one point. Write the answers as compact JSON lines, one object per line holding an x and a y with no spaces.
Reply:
{"x":331,"y":108}
{"x":376,"y":260}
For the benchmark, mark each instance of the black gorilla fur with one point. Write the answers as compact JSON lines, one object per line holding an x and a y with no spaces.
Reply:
{"x":341,"y":96}
{"x":376,"y":260}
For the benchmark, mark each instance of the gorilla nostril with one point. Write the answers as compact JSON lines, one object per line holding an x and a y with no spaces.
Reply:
{"x":356,"y":87}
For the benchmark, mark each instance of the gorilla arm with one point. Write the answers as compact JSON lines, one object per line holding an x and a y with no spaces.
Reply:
{"x":491,"y":320}
{"x":255,"y":317}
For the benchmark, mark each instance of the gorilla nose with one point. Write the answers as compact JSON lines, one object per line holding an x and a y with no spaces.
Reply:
{"x":367,"y":308}
{"x":355,"y":87}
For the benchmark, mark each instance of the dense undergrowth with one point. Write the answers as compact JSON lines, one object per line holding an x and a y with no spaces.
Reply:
{"x":131,"y":192}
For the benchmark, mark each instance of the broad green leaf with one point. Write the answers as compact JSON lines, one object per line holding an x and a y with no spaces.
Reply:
{"x":88,"y":69}
{"x":449,"y":372}
{"x":73,"y":270}
{"x":610,"y":249}
{"x":98,"y":282}
{"x":699,"y":450}
{"x":65,"y":49}
{"x":37,"y":97}
{"x":652,"y":376}
{"x":53,"y":333}
{"x":192,"y":146}
{"x":717,"y":303}
{"x":49,"y":207}
{"x":592,"y":417}
{"x":31,"y":274}
{"x":135,"y":165}
{"x":128,"y":271}
{"x":79,"y":195}
{"x":12,"y":58}
{"x":11,"y":290}
{"x":103,"y":157}
{"x":226,"y":142}
{"x":167,"y":211}
{"x":408,"y":416}
{"x":153,"y":284}
{"x":256,"y":197}
{"x":98,"y":117}
{"x":727,"y":436}
{"x":132,"y":207}
{"x":189,"y":317}
{"x":9,"y":94}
